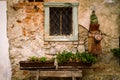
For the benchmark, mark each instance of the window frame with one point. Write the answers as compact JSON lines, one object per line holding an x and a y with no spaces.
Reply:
{"x":74,"y":36}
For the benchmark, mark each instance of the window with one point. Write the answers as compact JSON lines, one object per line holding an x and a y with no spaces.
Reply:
{"x":35,"y":0}
{"x":61,"y":23}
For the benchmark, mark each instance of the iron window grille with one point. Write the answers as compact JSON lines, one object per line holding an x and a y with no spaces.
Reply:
{"x":60,"y":21}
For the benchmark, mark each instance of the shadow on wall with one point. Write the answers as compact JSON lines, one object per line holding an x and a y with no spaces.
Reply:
{"x":118,"y":22}
{"x":119,"y":29}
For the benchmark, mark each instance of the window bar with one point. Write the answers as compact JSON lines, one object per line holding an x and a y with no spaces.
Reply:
{"x":60,"y":22}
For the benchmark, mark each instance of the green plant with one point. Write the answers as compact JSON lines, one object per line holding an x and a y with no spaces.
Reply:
{"x":116,"y":52}
{"x":33,"y":58}
{"x":88,"y":58}
{"x":78,"y":57}
{"x":64,"y":57}
{"x":43,"y":59}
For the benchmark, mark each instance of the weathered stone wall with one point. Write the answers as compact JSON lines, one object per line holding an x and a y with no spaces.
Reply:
{"x":26,"y":36}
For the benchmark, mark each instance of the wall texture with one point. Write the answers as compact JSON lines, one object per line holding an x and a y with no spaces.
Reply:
{"x":26,"y":36}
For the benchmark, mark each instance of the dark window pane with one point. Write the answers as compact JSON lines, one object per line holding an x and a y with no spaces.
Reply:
{"x":31,"y":0}
{"x":54,"y":21}
{"x":38,"y":0}
{"x":67,"y":21}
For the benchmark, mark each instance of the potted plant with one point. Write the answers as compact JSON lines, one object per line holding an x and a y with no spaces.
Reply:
{"x":36,"y":62}
{"x":79,"y":59}
{"x":116,"y":52}
{"x":66,"y":59}
{"x":43,"y":59}
{"x":87,"y":58}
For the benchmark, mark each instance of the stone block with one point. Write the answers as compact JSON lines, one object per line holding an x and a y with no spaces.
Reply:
{"x":46,"y":43}
{"x":81,"y":42}
{"x":81,"y":48}
{"x":75,"y":43}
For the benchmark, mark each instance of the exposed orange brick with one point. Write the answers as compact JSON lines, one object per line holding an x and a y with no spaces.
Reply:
{"x":25,"y":72}
{"x":21,"y":4}
{"x":38,"y":3}
{"x":29,"y":10}
{"x":40,"y":11}
{"x":24,"y":32}
{"x":29,"y":14}
{"x":30,"y":4}
{"x":25,"y":21}
{"x":36,"y":24}
{"x":29,"y":7}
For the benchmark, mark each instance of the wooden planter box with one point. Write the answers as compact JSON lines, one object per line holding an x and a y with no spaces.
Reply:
{"x":30,"y":65}
{"x":75,"y":64}
{"x":36,"y":65}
